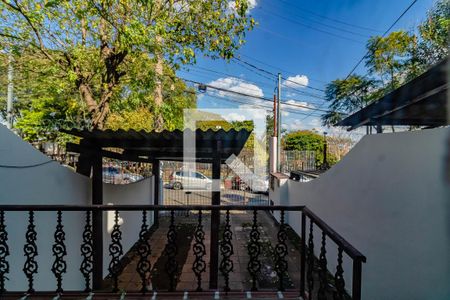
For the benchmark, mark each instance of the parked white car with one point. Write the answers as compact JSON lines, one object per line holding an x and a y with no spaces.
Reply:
{"x":115,"y":176}
{"x":189,"y":180}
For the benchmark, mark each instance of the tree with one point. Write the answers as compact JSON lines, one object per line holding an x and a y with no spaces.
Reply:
{"x":389,"y":56}
{"x":43,"y":101}
{"x":339,"y":145}
{"x":391,"y":60}
{"x":46,"y":101}
{"x":434,"y":33}
{"x":93,"y":43}
{"x":307,"y":140}
{"x":348,"y":95}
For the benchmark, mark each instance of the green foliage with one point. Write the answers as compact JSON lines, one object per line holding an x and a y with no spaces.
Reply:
{"x":106,"y":50}
{"x":46,"y":116}
{"x":139,"y":119}
{"x":388,"y":56}
{"x":43,"y":101}
{"x":348,"y":95}
{"x":391,"y":61}
{"x":307,"y":140}
{"x":434,"y":33}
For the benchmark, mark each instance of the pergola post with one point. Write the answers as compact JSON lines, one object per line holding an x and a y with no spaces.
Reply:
{"x":215,"y":218}
{"x":97,"y":220}
{"x":156,"y":175}
{"x":379,"y":128}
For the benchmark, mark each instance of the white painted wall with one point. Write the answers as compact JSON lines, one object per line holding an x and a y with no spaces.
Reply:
{"x":390,"y":198}
{"x":130,"y":222}
{"x":279,"y":195}
{"x":52,"y":183}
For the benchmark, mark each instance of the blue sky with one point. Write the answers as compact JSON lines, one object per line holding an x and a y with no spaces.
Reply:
{"x":309,"y":42}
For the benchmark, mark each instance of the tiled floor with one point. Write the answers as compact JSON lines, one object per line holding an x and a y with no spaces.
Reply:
{"x":239,"y":278}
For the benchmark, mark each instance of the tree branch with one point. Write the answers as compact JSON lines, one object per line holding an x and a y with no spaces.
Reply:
{"x":33,"y":27}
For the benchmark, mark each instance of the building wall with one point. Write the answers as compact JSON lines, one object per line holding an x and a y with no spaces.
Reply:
{"x":51,"y":183}
{"x":278,"y":194}
{"x":130,"y":222}
{"x":390,"y":198}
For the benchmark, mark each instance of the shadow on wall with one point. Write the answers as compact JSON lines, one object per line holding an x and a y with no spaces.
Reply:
{"x":389,"y":197}
{"x":138,"y":193}
{"x":29,"y":177}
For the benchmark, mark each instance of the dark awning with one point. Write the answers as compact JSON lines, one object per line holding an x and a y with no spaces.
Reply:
{"x":143,"y":146}
{"x":420,"y":102}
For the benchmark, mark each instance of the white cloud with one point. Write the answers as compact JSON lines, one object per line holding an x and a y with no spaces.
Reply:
{"x":251,"y":5}
{"x":296,"y":81}
{"x":315,"y":122}
{"x":239,"y":86}
{"x":234,"y":117}
{"x":294,"y":125}
{"x":236,"y":85}
{"x":284,"y":113}
{"x":291,"y":94}
{"x":298,"y":105}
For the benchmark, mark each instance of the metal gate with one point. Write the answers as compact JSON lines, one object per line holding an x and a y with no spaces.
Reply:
{"x":194,"y":188}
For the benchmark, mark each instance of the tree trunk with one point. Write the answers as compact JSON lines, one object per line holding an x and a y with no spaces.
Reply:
{"x":159,"y":69}
{"x":97,"y":110}
{"x":158,"y":96}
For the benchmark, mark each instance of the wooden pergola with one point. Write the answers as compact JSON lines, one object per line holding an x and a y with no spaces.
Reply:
{"x":212,"y":146}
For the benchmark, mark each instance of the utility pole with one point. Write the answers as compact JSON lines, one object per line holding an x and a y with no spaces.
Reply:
{"x":325,"y":160}
{"x":9,"y":103}
{"x":279,"y":124}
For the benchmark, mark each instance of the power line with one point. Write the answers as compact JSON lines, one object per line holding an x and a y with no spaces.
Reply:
{"x":317,"y":22}
{"x":276,"y":68}
{"x":331,"y":19}
{"x":384,"y":34}
{"x":265,"y":84}
{"x":315,"y":28}
{"x":286,"y":79}
{"x":268,"y":107}
{"x":248,"y":82}
{"x":259,"y":71}
{"x":254,"y":96}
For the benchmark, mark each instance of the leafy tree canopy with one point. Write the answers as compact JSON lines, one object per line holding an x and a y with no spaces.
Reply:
{"x":96,"y":45}
{"x":45,"y":101}
{"x":391,"y":61}
{"x":434,"y":33}
{"x":307,"y":140}
{"x":389,"y":56}
{"x":348,"y":95}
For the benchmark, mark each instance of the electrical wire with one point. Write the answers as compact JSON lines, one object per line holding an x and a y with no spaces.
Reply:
{"x":286,"y":79}
{"x":277,"y":68}
{"x":260,"y":83}
{"x":26,"y":167}
{"x":250,"y":82}
{"x":253,"y":96}
{"x":317,"y":22}
{"x":315,"y":28}
{"x":267,"y":107}
{"x":331,"y":19}
{"x":384,"y":34}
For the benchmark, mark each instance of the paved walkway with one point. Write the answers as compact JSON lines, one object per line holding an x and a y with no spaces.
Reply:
{"x":240,"y":278}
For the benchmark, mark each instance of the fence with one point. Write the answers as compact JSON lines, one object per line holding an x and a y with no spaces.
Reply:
{"x":296,"y":160}
{"x":186,"y":188}
{"x":316,"y":280}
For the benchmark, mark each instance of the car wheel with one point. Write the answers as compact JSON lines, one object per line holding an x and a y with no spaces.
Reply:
{"x":177,"y":186}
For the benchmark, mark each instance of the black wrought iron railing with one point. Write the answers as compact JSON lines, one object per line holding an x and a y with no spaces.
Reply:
{"x":316,"y":281}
